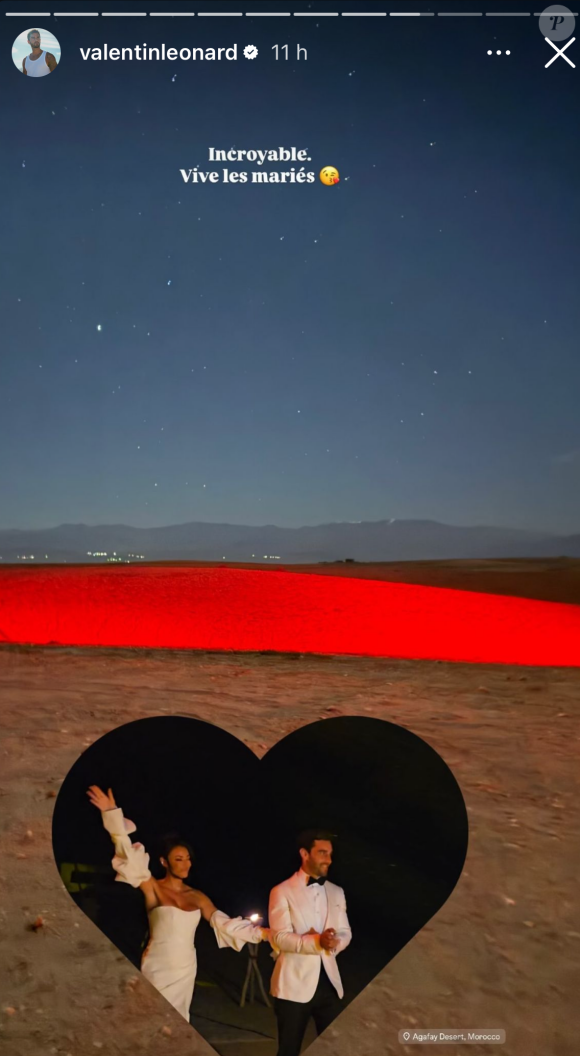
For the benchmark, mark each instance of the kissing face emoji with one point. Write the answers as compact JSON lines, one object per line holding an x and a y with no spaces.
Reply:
{"x":329,"y":175}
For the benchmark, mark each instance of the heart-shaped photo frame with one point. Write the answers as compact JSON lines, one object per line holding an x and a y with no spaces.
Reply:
{"x":343,"y":841}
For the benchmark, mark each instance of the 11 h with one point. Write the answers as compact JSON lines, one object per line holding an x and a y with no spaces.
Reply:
{"x":284,"y":47}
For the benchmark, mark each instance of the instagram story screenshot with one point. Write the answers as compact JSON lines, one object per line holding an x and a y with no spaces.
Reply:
{"x":289,"y":528}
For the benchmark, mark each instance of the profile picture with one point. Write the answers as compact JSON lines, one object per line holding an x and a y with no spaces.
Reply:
{"x":36,"y":52}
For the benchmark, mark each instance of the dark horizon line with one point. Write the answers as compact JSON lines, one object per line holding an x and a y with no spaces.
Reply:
{"x":288,"y":528}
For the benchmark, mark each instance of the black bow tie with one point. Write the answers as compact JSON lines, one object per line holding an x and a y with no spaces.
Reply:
{"x":316,"y":880}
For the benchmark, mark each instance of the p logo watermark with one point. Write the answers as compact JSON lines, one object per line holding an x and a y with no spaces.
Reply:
{"x":557,"y":22}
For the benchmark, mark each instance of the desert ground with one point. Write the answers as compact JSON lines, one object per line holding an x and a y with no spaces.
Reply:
{"x":504,"y":951}
{"x":550,"y":579}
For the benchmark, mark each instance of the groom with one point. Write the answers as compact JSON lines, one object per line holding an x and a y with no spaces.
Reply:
{"x":309,"y":927}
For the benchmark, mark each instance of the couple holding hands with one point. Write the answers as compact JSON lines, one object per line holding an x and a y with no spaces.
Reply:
{"x":307,"y":917}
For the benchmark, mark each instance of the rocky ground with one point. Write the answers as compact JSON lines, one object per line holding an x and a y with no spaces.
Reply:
{"x":545,"y":579}
{"x":504,"y":951}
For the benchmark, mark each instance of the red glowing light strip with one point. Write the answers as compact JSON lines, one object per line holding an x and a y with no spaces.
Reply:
{"x":252,"y":610}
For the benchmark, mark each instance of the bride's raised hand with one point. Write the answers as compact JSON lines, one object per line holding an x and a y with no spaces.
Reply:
{"x":101,"y":800}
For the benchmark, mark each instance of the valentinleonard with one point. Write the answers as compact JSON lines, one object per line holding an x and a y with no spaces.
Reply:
{"x":142,"y":53}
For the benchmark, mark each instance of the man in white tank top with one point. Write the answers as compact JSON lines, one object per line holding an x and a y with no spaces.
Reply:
{"x":38,"y":63}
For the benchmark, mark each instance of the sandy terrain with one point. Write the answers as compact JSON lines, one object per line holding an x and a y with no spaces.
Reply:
{"x":503,"y":952}
{"x":281,"y":611}
{"x":552,"y":579}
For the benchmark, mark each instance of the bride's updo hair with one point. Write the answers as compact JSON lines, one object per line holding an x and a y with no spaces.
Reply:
{"x":170,"y":841}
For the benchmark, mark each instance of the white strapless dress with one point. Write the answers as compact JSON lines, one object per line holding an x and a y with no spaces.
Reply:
{"x":169,"y":961}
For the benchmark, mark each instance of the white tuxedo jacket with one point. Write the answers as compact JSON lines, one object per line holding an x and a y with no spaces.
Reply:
{"x":299,"y":957}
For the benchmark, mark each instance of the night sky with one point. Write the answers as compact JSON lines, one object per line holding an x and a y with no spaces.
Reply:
{"x":402,"y":344}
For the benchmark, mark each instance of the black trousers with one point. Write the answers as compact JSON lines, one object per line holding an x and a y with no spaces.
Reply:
{"x":293,"y":1016}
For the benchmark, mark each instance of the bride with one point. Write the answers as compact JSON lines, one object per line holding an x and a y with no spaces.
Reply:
{"x":174,"y":909}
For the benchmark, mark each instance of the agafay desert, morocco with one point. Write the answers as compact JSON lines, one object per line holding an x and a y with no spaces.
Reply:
{"x":453,"y":779}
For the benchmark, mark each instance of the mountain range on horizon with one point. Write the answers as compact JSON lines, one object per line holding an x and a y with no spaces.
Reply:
{"x":385,"y":540}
